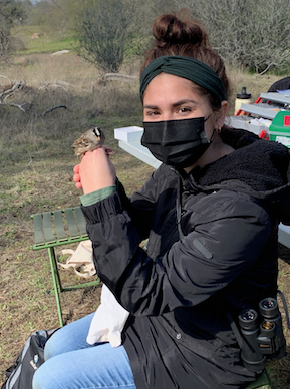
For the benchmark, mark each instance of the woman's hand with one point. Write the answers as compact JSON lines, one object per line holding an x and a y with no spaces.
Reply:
{"x":95,"y":171}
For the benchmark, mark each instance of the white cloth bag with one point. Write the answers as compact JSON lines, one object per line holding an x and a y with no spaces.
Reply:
{"x":108,"y":321}
{"x":80,"y":259}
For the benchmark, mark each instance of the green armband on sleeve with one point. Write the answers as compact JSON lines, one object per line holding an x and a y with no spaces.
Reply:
{"x":98,"y":195}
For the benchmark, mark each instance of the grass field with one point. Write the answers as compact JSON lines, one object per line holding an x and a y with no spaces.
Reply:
{"x":36,"y":160}
{"x":48,"y":42}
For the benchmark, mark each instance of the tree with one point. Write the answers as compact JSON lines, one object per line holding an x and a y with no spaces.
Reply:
{"x":105,"y":30}
{"x":11,"y":14}
{"x":56,"y":15}
{"x":252,"y":33}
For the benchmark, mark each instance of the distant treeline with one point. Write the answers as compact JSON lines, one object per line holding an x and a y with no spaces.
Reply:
{"x":253,"y":34}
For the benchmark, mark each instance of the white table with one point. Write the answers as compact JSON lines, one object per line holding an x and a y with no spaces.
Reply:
{"x":129,"y":140}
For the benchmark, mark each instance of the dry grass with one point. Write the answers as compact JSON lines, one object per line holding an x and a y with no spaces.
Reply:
{"x":36,"y":162}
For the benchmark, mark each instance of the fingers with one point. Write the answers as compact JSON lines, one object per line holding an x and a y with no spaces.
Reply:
{"x":76,"y":168}
{"x":77,"y":180}
{"x":77,"y":177}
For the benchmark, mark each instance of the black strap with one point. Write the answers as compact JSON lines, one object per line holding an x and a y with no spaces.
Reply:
{"x":285,"y":308}
{"x":236,"y":331}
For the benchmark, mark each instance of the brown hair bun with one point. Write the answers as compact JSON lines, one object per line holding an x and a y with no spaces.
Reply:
{"x":170,"y":29}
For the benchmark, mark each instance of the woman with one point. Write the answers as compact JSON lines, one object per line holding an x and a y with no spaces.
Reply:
{"x":211,"y":213}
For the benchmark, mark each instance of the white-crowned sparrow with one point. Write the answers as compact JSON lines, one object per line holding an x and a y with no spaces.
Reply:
{"x":88,"y":141}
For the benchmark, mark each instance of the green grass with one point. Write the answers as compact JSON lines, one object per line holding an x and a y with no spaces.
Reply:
{"x":49,"y":42}
{"x":45,"y":45}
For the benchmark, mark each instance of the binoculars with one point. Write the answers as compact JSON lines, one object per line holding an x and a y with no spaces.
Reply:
{"x":263,"y":335}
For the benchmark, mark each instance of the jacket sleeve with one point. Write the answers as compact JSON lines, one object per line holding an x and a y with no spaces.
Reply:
{"x":141,"y":205}
{"x":225,"y":238}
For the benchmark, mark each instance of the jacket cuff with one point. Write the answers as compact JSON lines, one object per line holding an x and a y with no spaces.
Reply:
{"x":98,"y":195}
{"x":103,"y":210}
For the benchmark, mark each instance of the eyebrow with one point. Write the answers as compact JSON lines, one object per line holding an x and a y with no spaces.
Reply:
{"x":176,"y":104}
{"x":181,"y":102}
{"x":150,"y":106}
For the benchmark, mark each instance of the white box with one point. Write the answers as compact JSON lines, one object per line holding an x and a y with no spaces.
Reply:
{"x":128,"y":134}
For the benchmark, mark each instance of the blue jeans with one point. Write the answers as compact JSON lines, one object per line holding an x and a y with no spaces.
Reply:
{"x":71,"y":363}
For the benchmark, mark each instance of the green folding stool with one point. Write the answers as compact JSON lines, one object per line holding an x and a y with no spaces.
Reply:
{"x":58,"y":228}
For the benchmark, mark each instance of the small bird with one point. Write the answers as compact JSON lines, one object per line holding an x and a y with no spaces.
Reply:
{"x":88,"y":141}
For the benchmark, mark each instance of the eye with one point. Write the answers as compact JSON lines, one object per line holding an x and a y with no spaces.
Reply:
{"x":184,"y":110}
{"x":151,"y":113}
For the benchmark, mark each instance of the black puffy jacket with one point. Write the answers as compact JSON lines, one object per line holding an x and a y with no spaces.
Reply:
{"x":222,"y":258}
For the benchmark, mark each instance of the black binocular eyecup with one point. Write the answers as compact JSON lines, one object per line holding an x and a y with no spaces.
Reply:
{"x":249,"y":320}
{"x":269,"y":308}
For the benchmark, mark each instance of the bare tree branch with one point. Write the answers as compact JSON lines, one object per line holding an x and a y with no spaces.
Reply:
{"x":265,"y":71}
{"x":119,"y":76}
{"x":61,"y":84}
{"x":19,"y":106}
{"x":251,"y":33}
{"x":10,"y":92}
{"x":17,"y":85}
{"x":7,"y":96}
{"x":7,"y":78}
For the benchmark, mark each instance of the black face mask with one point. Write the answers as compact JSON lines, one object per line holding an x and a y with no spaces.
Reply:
{"x":176,"y":142}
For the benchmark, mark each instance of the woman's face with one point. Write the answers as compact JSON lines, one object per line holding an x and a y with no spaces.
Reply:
{"x":169,"y":97}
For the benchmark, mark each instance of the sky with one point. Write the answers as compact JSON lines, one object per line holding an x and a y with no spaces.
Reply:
{"x":34,"y":1}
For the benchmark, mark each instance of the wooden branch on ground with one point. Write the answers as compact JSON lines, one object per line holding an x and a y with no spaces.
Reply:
{"x":7,"y":96}
{"x":51,"y":109}
{"x":47,"y":86}
{"x":71,"y":85}
{"x":104,"y":78}
{"x":61,"y":84}
{"x":19,"y":106}
{"x":7,"y":78}
{"x":17,"y":85}
{"x":119,"y":77}
{"x":9,"y":92}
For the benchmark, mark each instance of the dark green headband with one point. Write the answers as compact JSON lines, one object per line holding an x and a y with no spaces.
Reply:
{"x":185,"y":67}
